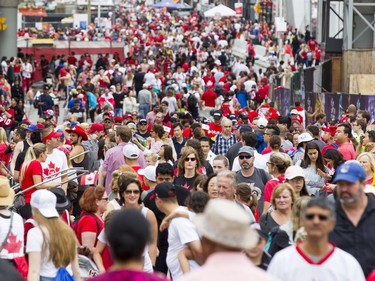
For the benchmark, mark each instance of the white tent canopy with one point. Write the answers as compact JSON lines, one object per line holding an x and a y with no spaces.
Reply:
{"x":219,"y":11}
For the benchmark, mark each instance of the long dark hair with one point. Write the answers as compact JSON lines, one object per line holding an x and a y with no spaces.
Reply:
{"x":124,"y":186}
{"x":306,"y":159}
{"x":335,"y":156}
{"x":168,"y":153}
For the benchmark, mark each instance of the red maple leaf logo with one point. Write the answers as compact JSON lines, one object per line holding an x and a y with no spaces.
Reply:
{"x":89,"y":178}
{"x":51,"y":169}
{"x":186,"y":185}
{"x":13,"y":246}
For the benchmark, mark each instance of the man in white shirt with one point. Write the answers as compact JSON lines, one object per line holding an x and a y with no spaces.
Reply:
{"x":315,"y":258}
{"x":181,"y":232}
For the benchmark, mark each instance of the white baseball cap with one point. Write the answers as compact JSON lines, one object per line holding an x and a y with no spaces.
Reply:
{"x":304,"y":137}
{"x":131,"y":151}
{"x":45,"y":202}
{"x":294,"y":111}
{"x":262,"y":123}
{"x":149,"y":173}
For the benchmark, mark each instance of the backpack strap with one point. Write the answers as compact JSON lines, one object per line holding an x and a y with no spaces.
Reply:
{"x":96,"y":221}
{"x":9,"y":231}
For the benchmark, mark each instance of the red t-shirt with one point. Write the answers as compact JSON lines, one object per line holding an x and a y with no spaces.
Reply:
{"x":252,"y":115}
{"x":209,"y":98}
{"x":210,"y":81}
{"x":214,"y":130}
{"x":33,"y":169}
{"x":270,"y":186}
{"x":88,"y":223}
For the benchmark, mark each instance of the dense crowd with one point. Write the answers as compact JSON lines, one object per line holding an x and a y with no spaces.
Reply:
{"x":175,"y":161}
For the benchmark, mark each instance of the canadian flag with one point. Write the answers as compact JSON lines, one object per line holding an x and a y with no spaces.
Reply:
{"x":89,"y":179}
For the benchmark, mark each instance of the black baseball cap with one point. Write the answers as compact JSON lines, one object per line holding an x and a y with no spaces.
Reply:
{"x":165,"y":190}
{"x":218,"y":114}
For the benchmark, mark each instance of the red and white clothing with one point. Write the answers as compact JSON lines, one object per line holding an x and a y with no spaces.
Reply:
{"x":55,"y":162}
{"x":213,"y":130}
{"x":14,"y":246}
{"x":292,"y":264}
{"x":107,"y":99}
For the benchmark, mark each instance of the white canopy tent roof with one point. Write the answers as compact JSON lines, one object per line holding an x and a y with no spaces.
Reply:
{"x":219,"y":11}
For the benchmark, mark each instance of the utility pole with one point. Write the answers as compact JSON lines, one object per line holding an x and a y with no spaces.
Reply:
{"x":88,"y":12}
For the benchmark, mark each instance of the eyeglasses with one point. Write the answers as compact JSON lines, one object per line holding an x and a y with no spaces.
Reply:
{"x":244,"y":156}
{"x":192,"y":159}
{"x":269,"y":163}
{"x":132,"y":191}
{"x":312,"y":216}
{"x":104,"y":199}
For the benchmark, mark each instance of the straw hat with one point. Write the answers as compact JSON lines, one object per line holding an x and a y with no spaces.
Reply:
{"x":6,"y":193}
{"x":226,"y":223}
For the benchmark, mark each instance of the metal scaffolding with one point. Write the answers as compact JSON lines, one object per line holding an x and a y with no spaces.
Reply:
{"x":347,"y":24}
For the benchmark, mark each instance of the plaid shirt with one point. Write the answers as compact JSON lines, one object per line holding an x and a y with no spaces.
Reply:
{"x":222,"y":144}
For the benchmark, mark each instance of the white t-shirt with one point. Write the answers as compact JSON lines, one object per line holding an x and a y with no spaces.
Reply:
{"x":181,"y":231}
{"x":149,"y":77}
{"x":35,"y":244}
{"x":172,"y":104}
{"x":292,"y":264}
{"x":14,"y":247}
{"x":55,"y":162}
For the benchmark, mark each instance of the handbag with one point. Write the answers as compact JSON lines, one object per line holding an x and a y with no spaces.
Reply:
{"x":19,"y":202}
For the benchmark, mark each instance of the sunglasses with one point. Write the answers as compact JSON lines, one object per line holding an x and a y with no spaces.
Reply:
{"x":131,"y":191}
{"x":192,"y":159}
{"x":312,"y":216}
{"x":244,"y":157}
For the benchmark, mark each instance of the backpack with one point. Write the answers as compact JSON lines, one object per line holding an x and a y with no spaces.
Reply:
{"x":192,"y":101}
{"x":63,"y":275}
{"x":76,"y":222}
{"x":292,"y":153}
{"x":92,"y":155}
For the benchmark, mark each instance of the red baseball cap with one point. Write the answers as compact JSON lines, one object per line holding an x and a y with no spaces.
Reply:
{"x":128,"y":115}
{"x":331,"y":129}
{"x":96,"y":127}
{"x":118,"y":119}
{"x":52,"y":134}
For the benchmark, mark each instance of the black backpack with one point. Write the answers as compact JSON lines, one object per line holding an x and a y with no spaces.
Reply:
{"x":192,"y":101}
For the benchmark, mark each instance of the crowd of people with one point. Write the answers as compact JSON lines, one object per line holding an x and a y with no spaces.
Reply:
{"x":174,"y":162}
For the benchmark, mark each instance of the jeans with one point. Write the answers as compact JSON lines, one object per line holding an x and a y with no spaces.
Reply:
{"x":144,"y":108}
{"x":42,"y":278}
{"x":118,"y":112}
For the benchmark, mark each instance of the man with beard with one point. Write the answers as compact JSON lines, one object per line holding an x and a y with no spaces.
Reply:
{"x":250,"y":174}
{"x":355,"y":211}
{"x":77,"y":135}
